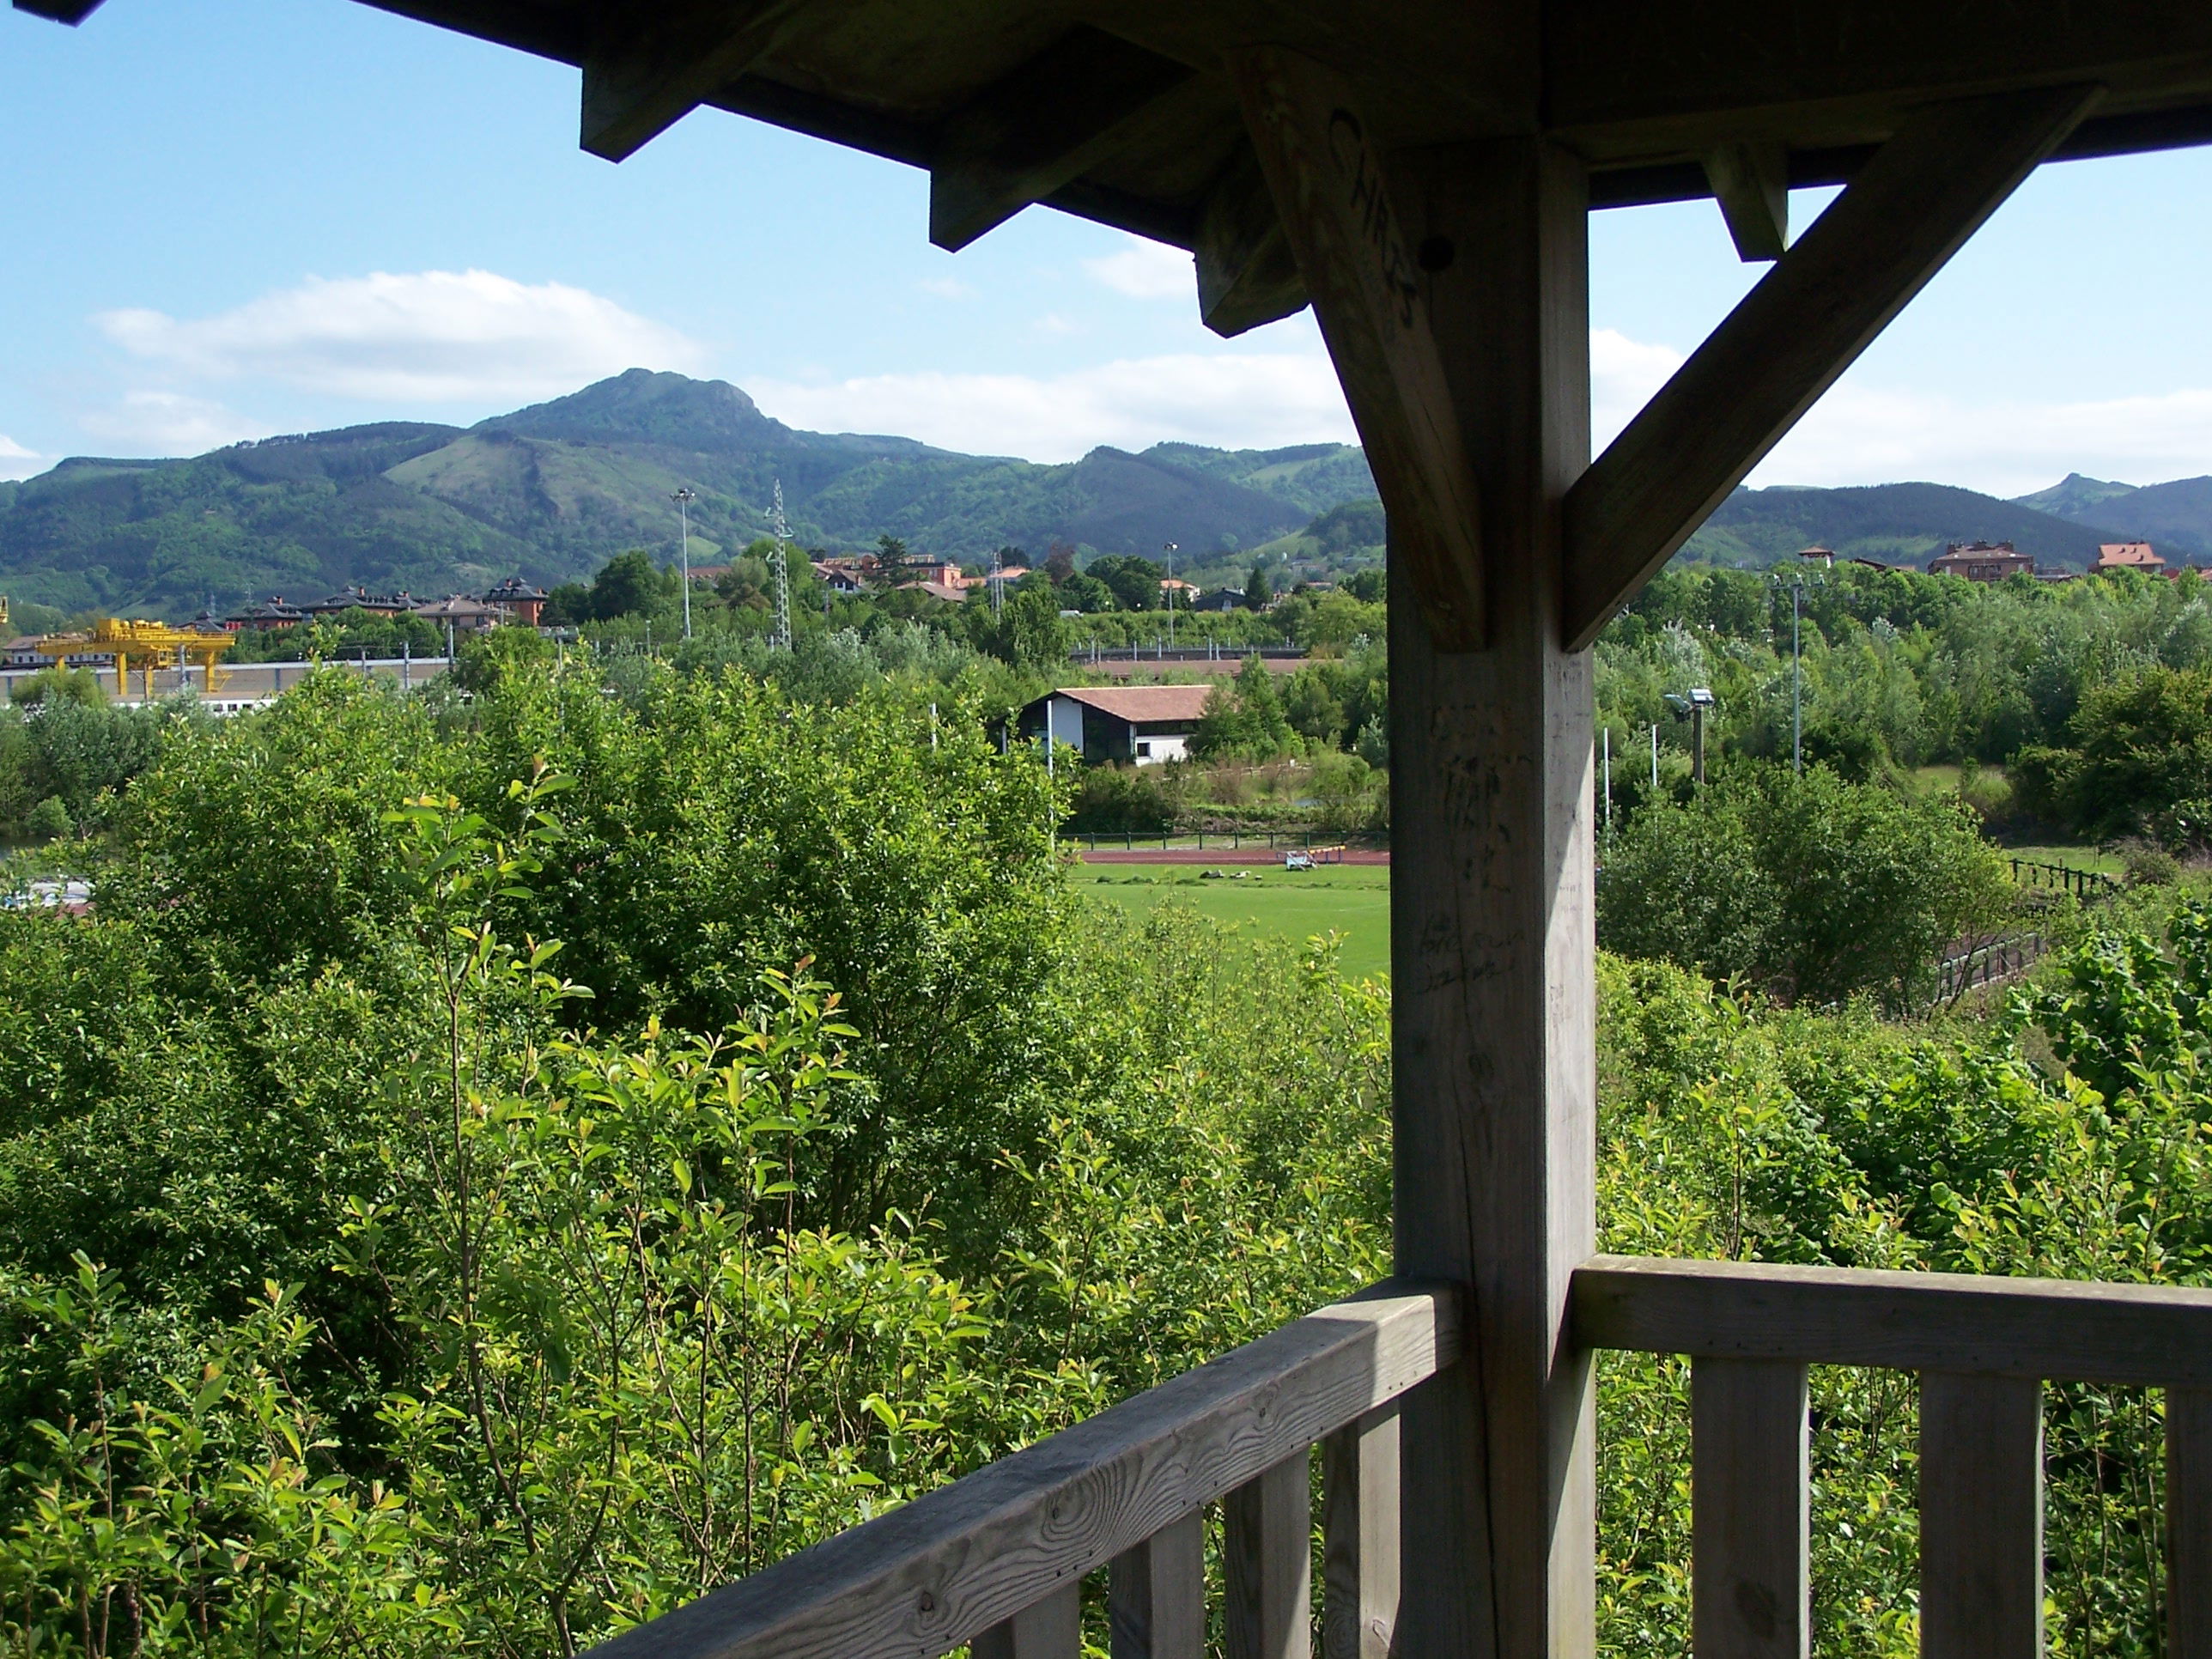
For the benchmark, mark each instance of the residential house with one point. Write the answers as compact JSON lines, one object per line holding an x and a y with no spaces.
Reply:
{"x":460,"y":613}
{"x":1982,"y":562}
{"x":1221,"y":599}
{"x":1143,"y":724}
{"x":360,"y":599}
{"x":1823,"y":556}
{"x":950,"y":593}
{"x":2126,"y":555}
{"x":272,"y":612}
{"x":518,"y":602}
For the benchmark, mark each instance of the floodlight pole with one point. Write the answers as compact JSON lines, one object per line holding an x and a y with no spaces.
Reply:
{"x":1169,"y":548}
{"x":1796,"y":684}
{"x":683,"y":498}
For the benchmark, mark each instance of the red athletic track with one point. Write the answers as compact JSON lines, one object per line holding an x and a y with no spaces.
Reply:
{"x":1220,"y":855}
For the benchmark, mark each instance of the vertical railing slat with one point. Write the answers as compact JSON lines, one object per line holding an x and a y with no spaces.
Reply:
{"x":1267,"y":1551}
{"x":1749,"y":1537}
{"x":1156,"y":1595}
{"x":1981,"y":1517}
{"x":1360,"y":1526}
{"x":2189,"y":1524}
{"x":1050,"y":1629}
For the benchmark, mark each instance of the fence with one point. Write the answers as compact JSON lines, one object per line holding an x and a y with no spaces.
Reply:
{"x":2088,"y":885}
{"x":1990,"y":963}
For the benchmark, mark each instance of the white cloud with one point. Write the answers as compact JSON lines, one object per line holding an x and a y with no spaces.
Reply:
{"x":428,"y":336}
{"x":1624,"y":373}
{"x":947,"y":288}
{"x":168,"y":423}
{"x":1871,"y":435}
{"x":1867,"y":435}
{"x":1236,"y":401}
{"x":17,"y":462}
{"x":1145,"y":271}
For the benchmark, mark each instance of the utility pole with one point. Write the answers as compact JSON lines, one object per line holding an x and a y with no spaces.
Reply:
{"x":998,"y":584}
{"x":1169,"y":548}
{"x":1655,"y":755}
{"x":781,"y":574}
{"x":1796,"y":684}
{"x":683,"y":498}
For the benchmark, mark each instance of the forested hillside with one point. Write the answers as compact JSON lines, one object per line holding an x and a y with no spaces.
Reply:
{"x":550,"y":491}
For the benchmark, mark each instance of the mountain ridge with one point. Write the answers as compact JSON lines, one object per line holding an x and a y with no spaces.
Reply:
{"x":550,"y":490}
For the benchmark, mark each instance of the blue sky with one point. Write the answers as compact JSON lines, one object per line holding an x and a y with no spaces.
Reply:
{"x":225,"y":219}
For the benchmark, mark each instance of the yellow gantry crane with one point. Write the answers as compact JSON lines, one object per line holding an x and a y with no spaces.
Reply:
{"x":148,"y":644}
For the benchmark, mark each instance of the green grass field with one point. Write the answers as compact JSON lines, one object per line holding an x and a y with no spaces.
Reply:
{"x":1351,"y":899}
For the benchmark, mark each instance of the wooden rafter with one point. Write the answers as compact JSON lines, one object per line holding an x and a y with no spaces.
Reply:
{"x":71,"y":12}
{"x":646,"y":70}
{"x":1912,"y":206}
{"x":1246,"y":274}
{"x":1040,"y":128}
{"x":1329,"y":191}
{"x":1751,"y":183}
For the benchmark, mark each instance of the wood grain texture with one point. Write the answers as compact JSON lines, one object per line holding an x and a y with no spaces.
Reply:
{"x":1910,"y":208}
{"x":936,"y":1572}
{"x":1751,"y":182}
{"x":1156,"y":1597}
{"x":1740,"y":64}
{"x":1981,"y":1517}
{"x":1492,"y":957}
{"x":1246,"y":274}
{"x":1360,"y":1539}
{"x":2189,"y":1524}
{"x":1750,"y":1528}
{"x":1267,"y":1565}
{"x":1073,"y":104}
{"x":1053,"y":1629}
{"x":646,"y":70}
{"x":1334,"y":200}
{"x":2051,"y":1329}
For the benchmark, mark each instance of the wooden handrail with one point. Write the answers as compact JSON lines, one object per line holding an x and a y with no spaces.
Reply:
{"x":1015,"y":1538}
{"x":1983,"y":1347}
{"x":2046,"y":1329}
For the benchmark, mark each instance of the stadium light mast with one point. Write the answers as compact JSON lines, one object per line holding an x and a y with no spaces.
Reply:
{"x":683,"y":498}
{"x":1169,"y":548}
{"x":781,"y":574}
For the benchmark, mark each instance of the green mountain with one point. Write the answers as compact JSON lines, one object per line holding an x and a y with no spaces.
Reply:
{"x":2175,"y":517}
{"x":551,"y":490}
{"x":1896,"y":523}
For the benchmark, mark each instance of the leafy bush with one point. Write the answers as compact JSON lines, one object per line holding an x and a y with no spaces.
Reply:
{"x":1814,"y":887}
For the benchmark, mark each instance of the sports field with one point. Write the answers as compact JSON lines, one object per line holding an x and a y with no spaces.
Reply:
{"x":1351,"y":899}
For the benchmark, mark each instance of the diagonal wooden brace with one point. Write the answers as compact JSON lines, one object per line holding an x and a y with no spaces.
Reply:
{"x":1912,"y":206}
{"x":1329,"y":192}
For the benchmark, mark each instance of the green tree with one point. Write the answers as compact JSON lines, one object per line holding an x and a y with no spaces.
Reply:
{"x":1027,"y":632}
{"x":1134,"y":581}
{"x":631,"y":585}
{"x":49,"y":820}
{"x":1259,"y":592}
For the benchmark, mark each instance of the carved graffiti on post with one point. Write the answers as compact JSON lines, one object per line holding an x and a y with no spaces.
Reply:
{"x":1331,"y":190}
{"x":1347,"y":146}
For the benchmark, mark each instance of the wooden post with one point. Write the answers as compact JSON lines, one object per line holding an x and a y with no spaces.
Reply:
{"x":1156,"y":1595}
{"x":1361,"y":1541}
{"x":2189,"y":1524}
{"x":1492,"y":943}
{"x":1266,"y":1557}
{"x":1981,"y":1517}
{"x":1749,"y":1526}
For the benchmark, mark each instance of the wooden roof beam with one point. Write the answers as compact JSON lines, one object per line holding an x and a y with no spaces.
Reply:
{"x":645,"y":70}
{"x":1329,"y":191}
{"x":71,"y":12}
{"x":1076,"y":102}
{"x":1751,"y":183}
{"x":1246,"y":274}
{"x":1910,"y":208}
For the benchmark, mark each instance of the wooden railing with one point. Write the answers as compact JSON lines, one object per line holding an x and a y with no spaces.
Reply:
{"x":1983,"y":1348}
{"x":997,"y":1560}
